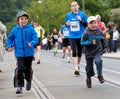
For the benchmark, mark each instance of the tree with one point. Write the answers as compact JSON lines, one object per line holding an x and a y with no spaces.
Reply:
{"x":9,"y":9}
{"x":49,"y":12}
{"x":94,"y":7}
{"x":115,"y":16}
{"x":114,"y":3}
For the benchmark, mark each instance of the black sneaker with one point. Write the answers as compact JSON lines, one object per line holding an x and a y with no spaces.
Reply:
{"x":19,"y":90}
{"x":28,"y":86}
{"x":101,"y":79}
{"x":68,"y":61}
{"x":77,"y":72}
{"x":88,"y":83}
{"x":38,"y":62}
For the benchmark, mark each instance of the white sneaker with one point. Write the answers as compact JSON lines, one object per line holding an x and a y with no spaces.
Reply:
{"x":68,"y":59}
{"x":63,"y":55}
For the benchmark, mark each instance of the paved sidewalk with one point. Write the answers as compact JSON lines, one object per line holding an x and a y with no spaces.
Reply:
{"x":113,"y":55}
{"x":7,"y":90}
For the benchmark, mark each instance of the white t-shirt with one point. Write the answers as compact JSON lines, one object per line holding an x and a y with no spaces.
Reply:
{"x":115,"y":35}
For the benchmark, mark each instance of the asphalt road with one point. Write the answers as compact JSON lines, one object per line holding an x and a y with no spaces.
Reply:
{"x":56,"y":75}
{"x":54,"y":79}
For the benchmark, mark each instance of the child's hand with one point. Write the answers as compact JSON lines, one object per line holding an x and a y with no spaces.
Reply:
{"x":104,"y":50}
{"x":93,"y":42}
{"x":29,"y":44}
{"x":10,"y":49}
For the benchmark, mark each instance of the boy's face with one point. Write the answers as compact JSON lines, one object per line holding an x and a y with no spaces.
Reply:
{"x":23,"y":20}
{"x":92,"y":25}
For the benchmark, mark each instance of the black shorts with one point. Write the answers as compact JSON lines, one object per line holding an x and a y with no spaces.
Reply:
{"x":54,"y":41}
{"x":76,"y":47}
{"x":39,"y":43}
{"x":66,"y":42}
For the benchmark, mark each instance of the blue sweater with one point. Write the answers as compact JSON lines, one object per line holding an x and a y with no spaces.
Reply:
{"x":19,"y":38}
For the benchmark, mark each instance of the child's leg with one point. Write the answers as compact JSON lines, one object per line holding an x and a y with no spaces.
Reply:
{"x":19,"y":75}
{"x":20,"y":66}
{"x":28,"y":72}
{"x":89,"y":67}
{"x":89,"y":72}
{"x":98,"y":62}
{"x":28,"y":67}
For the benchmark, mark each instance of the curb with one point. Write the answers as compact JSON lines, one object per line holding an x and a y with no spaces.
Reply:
{"x":111,"y":57}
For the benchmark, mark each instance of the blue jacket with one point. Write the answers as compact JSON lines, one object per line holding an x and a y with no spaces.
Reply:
{"x":19,"y":38}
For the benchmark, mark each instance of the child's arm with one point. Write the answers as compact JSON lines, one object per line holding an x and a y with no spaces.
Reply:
{"x":104,"y":45}
{"x":90,"y":40}
{"x":85,"y":41}
{"x":10,"y":42}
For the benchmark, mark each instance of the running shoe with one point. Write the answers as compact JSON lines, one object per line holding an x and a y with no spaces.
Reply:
{"x":101,"y":79}
{"x":19,"y":90}
{"x":38,"y":62}
{"x":76,"y":72}
{"x":28,"y":85}
{"x":63,"y":55}
{"x":68,"y":59}
{"x":88,"y":83}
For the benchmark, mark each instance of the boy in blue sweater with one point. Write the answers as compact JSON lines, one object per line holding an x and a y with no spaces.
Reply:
{"x":22,"y":40}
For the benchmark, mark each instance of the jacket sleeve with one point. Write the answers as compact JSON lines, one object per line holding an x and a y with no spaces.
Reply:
{"x":34,"y":40}
{"x":85,"y":41}
{"x":10,"y":40}
{"x":104,"y":43}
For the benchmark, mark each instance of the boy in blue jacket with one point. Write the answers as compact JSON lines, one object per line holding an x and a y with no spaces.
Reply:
{"x":95,"y":45}
{"x":22,"y":40}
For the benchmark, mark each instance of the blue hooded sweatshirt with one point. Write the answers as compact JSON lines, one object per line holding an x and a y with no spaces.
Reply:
{"x":19,"y":38}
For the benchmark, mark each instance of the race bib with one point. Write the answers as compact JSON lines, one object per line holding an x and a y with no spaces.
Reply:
{"x":55,"y":36}
{"x":66,"y":32}
{"x":74,"y":26}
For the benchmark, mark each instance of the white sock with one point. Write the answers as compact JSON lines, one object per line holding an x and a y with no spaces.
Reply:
{"x":76,"y":67}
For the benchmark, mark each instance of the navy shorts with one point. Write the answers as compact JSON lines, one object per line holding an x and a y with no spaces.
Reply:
{"x":66,"y":42}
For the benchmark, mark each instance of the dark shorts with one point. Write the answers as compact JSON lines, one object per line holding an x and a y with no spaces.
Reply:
{"x":39,"y":43}
{"x":54,"y":41}
{"x":66,"y":42}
